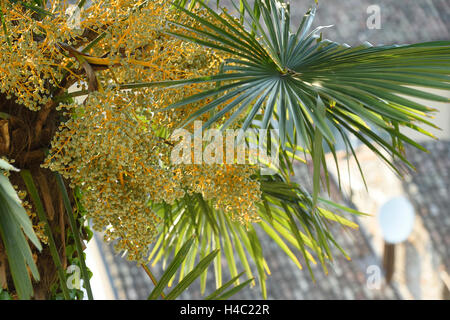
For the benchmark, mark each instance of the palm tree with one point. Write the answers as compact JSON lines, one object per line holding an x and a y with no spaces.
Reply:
{"x":309,"y":89}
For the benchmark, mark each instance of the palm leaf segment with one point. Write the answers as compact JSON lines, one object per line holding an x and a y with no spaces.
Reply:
{"x":303,"y":85}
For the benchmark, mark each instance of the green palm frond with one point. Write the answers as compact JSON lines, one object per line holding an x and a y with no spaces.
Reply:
{"x":303,"y":85}
{"x":287,"y":217}
{"x":15,"y":230}
{"x":177,"y":265}
{"x":76,"y":235}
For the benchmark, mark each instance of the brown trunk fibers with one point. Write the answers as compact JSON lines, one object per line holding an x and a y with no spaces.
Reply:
{"x":23,"y":135}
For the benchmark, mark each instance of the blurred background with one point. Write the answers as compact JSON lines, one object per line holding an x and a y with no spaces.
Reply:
{"x":419,"y":268}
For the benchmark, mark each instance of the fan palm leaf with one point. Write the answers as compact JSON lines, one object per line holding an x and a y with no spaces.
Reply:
{"x":287,"y":76}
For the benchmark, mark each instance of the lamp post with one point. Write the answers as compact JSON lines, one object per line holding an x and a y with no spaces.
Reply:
{"x":396,"y":219}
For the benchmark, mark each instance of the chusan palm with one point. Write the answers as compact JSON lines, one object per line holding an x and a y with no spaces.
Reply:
{"x":307,"y":86}
{"x":312,"y":90}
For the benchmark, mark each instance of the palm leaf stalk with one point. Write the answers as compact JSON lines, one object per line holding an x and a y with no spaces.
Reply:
{"x":76,"y":235}
{"x":28,"y":179}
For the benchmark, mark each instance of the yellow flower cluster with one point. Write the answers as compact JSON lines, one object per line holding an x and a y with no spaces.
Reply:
{"x":230,"y":186}
{"x":113,"y":145}
{"x":29,"y":59}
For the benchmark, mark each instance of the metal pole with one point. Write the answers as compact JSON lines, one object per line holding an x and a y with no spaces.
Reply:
{"x":388,"y":261}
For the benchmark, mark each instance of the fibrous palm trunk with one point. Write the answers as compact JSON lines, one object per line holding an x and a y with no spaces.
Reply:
{"x":21,"y":140}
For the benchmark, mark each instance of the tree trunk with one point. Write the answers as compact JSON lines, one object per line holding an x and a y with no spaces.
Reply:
{"x":20,"y":141}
